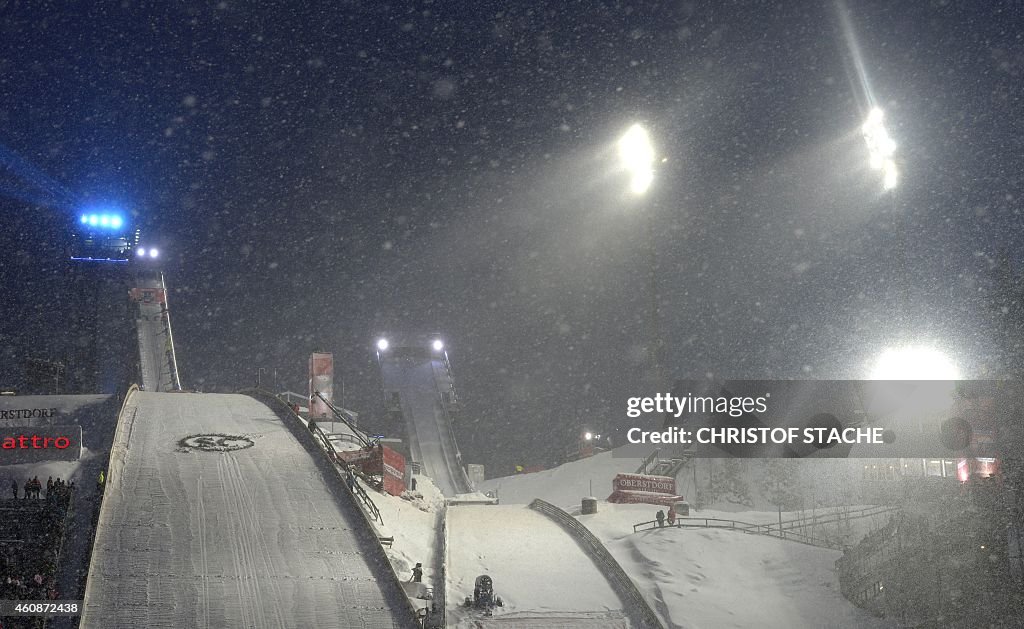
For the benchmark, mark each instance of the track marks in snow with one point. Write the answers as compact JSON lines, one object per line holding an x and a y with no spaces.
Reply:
{"x":203,"y":557}
{"x":251,"y":538}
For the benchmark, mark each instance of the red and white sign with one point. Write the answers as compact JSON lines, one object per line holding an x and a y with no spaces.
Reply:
{"x":380,"y":461}
{"x":321,"y":378}
{"x":644,"y":488}
{"x":644,"y":482}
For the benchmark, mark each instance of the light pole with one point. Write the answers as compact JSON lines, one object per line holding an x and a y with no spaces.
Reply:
{"x":259,"y":376}
{"x":636,"y":156}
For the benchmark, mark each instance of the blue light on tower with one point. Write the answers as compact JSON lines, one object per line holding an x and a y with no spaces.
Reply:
{"x":105,"y":221}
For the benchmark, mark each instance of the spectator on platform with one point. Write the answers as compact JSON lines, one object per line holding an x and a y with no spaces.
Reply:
{"x":28,"y":489}
{"x":661,"y":518}
{"x":37,"y":488}
{"x":672,"y":515}
{"x":49,"y":486}
{"x":417,"y":574}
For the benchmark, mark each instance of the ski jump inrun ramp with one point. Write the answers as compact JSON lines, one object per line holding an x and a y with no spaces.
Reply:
{"x":419,"y":382}
{"x":215,"y":515}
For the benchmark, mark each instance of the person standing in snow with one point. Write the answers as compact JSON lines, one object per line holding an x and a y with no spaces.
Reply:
{"x":672,"y":515}
{"x":433,"y":619}
{"x":661,"y":518}
{"x":417,"y":574}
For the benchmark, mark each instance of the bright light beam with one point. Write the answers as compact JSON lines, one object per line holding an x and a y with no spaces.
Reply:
{"x":855,"y":55}
{"x":637,"y":156}
{"x":881,"y":148}
{"x":913,"y":363}
{"x":48,"y":192}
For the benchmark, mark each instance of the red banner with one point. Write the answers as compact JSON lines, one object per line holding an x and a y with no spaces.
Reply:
{"x":394,"y":471}
{"x":644,"y":482}
{"x":380,"y":461}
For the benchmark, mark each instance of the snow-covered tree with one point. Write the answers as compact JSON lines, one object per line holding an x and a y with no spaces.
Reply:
{"x":780,"y":483}
{"x":730,"y":482}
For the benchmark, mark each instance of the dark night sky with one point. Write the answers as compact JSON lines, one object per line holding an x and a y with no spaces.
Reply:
{"x":321,"y":172}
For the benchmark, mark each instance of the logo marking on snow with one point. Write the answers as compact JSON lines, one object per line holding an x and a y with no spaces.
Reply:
{"x":215,"y":443}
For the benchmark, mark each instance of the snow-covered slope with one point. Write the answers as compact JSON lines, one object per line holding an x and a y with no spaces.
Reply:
{"x":564,"y":485}
{"x":412,"y":522}
{"x":737,"y":486}
{"x":711,"y":579}
{"x":537,"y":568}
{"x":191,"y":535}
{"x":703,"y":578}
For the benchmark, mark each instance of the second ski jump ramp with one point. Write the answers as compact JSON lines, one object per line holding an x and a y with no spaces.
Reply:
{"x":543,"y":576}
{"x":215,"y":515}
{"x":414,"y":378}
{"x":155,"y":362}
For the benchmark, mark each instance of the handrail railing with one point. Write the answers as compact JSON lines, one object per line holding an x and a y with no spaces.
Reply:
{"x":351,"y":477}
{"x":364,"y":497}
{"x":677,"y":466}
{"x":636,"y":605}
{"x":647,"y":461}
{"x":838,"y":516}
{"x":170,"y":335}
{"x":342,"y":436}
{"x":345,"y":420}
{"x":737,"y":525}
